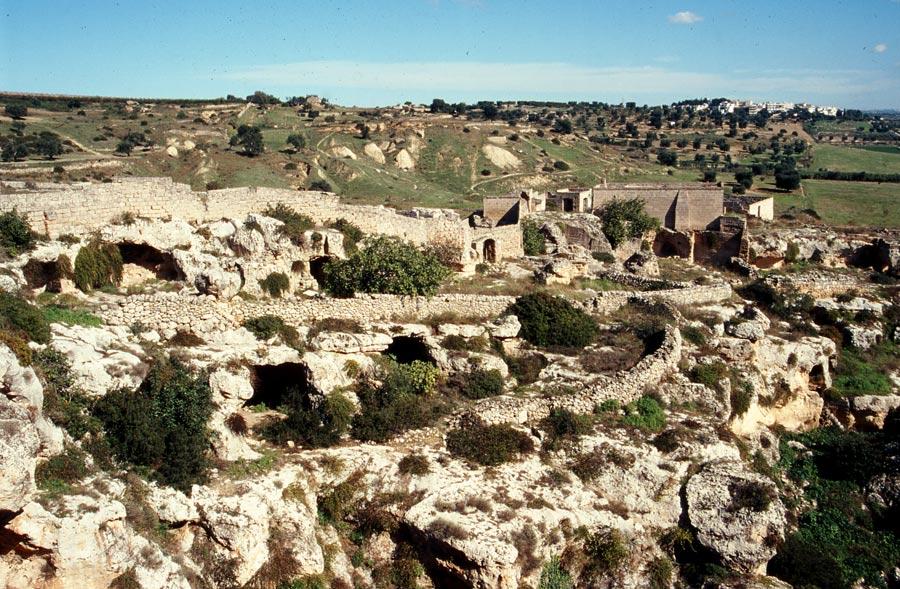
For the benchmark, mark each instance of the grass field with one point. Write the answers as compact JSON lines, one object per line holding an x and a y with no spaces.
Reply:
{"x":854,"y":159}
{"x":847,"y":203}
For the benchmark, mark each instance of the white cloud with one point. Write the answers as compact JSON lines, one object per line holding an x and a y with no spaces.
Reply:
{"x":880,"y":48}
{"x":685,"y":17}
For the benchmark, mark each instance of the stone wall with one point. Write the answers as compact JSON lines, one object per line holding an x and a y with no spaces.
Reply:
{"x":55,"y":209}
{"x":167,"y":312}
{"x":625,"y":386}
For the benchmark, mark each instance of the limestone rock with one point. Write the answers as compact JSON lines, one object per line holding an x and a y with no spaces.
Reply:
{"x":172,"y":151}
{"x":102,"y":358}
{"x":505,"y":327}
{"x":737,"y":513}
{"x":404,"y":160}
{"x":873,"y":410}
{"x":351,"y":343}
{"x":643,"y":264}
{"x":207,"y":274}
{"x":342,"y":151}
{"x":862,"y":337}
{"x":374,"y":152}
{"x":500,"y":157}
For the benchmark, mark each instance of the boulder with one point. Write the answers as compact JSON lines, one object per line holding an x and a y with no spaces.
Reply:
{"x":643,"y":264}
{"x":872,"y":411}
{"x":207,"y":274}
{"x":102,"y":358}
{"x":374,"y":152}
{"x":404,"y":160}
{"x":506,"y":327}
{"x":737,"y":514}
{"x":863,"y":337}
{"x":342,"y":151}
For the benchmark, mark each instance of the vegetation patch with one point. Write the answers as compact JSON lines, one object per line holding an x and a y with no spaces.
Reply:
{"x":97,"y":265}
{"x":553,"y":322}
{"x":69,"y":316}
{"x":161,"y":427}
{"x":20,"y":317}
{"x":387,"y":265}
{"x":15,"y":233}
{"x":533,"y":241}
{"x":314,"y":424}
{"x":294,"y":224}
{"x":624,"y":220}
{"x":488,"y":445}
{"x":265,"y":327}
{"x":646,"y":413}
{"x":275,"y":284}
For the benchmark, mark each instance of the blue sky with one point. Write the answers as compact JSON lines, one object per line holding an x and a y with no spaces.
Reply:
{"x":383,"y":52}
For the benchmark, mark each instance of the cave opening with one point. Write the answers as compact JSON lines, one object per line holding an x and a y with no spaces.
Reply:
{"x":162,"y":264}
{"x":273,"y":384}
{"x":406,"y":349}
{"x":317,"y":267}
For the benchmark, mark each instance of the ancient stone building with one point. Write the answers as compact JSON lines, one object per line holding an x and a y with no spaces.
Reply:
{"x":510,"y":208}
{"x":571,"y":200}
{"x":682,"y":207}
{"x":754,"y":205}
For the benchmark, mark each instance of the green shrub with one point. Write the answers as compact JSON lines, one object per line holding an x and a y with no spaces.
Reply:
{"x":646,"y":413}
{"x":550,"y":321}
{"x":480,"y":384}
{"x":533,"y":241}
{"x":265,"y":327}
{"x":18,"y":346}
{"x":316,"y":425}
{"x":464,"y":344}
{"x":97,"y":265}
{"x":65,"y":404}
{"x":606,"y":552}
{"x":488,"y":445}
{"x":741,"y":397}
{"x":352,"y":234}
{"x":398,"y":399}
{"x":694,"y":334}
{"x":605,"y":257}
{"x":792,"y":254}
{"x":856,"y":375}
{"x":387,"y":265}
{"x":15,"y":233}
{"x":624,"y":220}
{"x":340,"y":501}
{"x":161,"y":425}
{"x":659,"y":572}
{"x":554,"y":576}
{"x":709,"y":374}
{"x":563,"y":428}
{"x":21,"y":317}
{"x":275,"y":284}
{"x":526,"y":368}
{"x":56,"y":474}
{"x":186,"y":339}
{"x":295,"y":224}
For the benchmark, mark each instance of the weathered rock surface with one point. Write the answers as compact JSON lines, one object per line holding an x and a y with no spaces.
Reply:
{"x":737,"y":513}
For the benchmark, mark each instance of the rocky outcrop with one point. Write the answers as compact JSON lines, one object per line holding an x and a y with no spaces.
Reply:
{"x":102,"y":358}
{"x":870,"y":412}
{"x":374,"y":152}
{"x":737,"y":514}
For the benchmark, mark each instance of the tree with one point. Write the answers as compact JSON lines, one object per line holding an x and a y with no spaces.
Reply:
{"x":297,"y":141}
{"x":667,"y":157}
{"x":261,"y":98}
{"x":438,"y":105}
{"x":550,"y":321}
{"x":787,"y":178}
{"x":490,"y":110}
{"x":16,"y":111}
{"x":14,"y":150}
{"x":387,"y":265}
{"x":744,"y":177}
{"x":709,"y":175}
{"x":124,"y":147}
{"x":562,"y":126}
{"x":49,"y":145}
{"x":626,"y":219}
{"x":250,"y":139}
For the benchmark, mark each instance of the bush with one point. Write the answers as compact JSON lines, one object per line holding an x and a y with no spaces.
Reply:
{"x":65,"y":404}
{"x":481,"y":384}
{"x":625,"y":219}
{"x":554,"y":576}
{"x":388,"y":266}
{"x":19,"y":317}
{"x":563,"y":428}
{"x":97,"y":265}
{"x":352,"y":234}
{"x":710,"y":374}
{"x":161,"y":425}
{"x":316,"y":425}
{"x":295,"y":224}
{"x":414,"y":464}
{"x":488,"y":445}
{"x":526,"y":368}
{"x":561,"y":165}
{"x":606,"y":552}
{"x":533,"y":241}
{"x":58,"y":473}
{"x":646,"y":413}
{"x":741,"y":397}
{"x":265,"y":327}
{"x":550,"y":321}
{"x":18,"y":346}
{"x":401,"y":401}
{"x":15,"y":233}
{"x":275,"y":284}
{"x":659,"y":573}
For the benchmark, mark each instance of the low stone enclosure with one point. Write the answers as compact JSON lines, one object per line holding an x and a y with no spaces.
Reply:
{"x":57,"y":209}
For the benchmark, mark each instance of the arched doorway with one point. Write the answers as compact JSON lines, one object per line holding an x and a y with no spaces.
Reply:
{"x":489,"y":251}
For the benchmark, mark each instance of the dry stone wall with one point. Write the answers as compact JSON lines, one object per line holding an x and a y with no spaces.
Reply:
{"x":166,"y":312}
{"x":625,"y":387}
{"x":56,"y":209}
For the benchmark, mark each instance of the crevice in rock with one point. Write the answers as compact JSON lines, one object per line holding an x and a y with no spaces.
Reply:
{"x":273,"y":383}
{"x":406,"y":349}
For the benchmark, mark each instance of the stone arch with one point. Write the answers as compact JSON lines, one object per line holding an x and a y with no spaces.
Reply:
{"x":489,"y":251}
